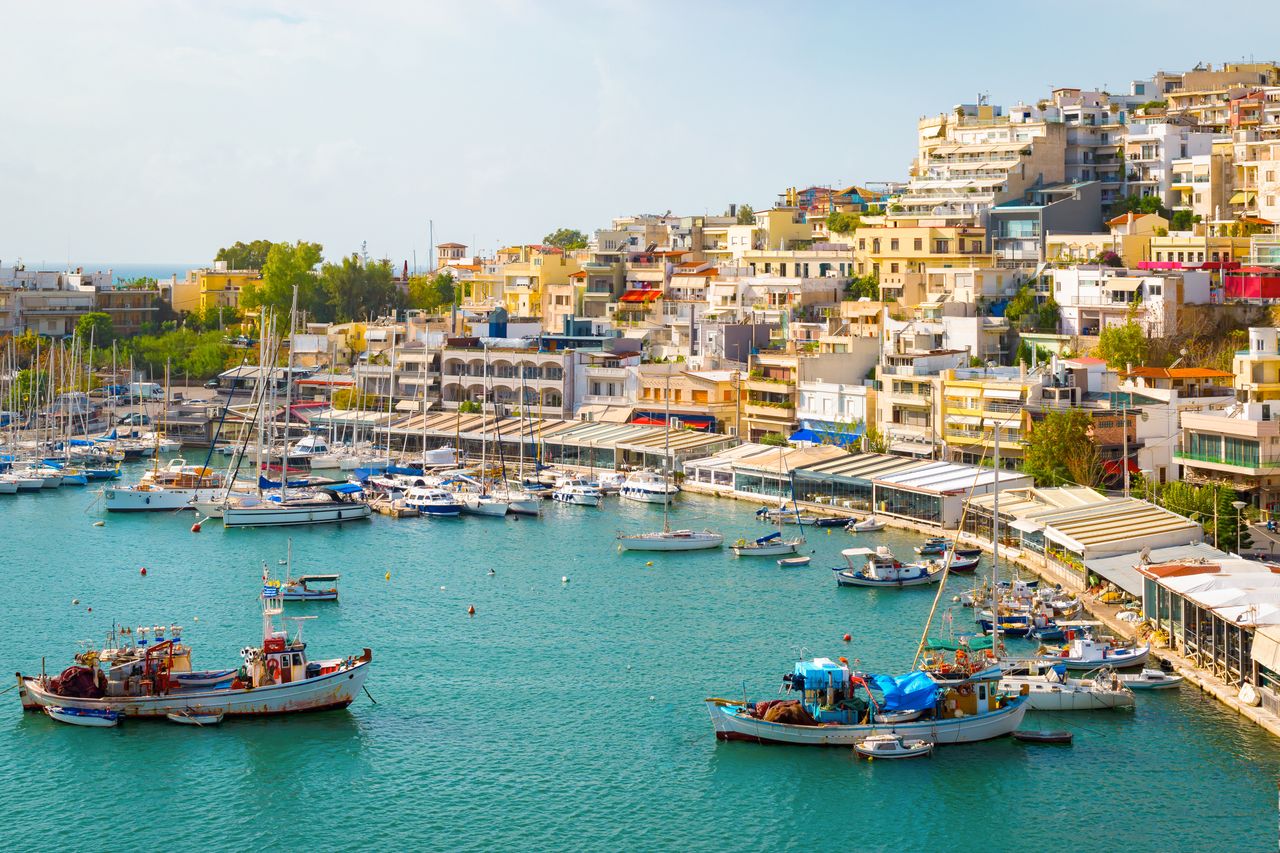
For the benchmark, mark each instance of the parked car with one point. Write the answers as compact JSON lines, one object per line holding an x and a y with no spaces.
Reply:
{"x":135,"y":419}
{"x":212,"y":383}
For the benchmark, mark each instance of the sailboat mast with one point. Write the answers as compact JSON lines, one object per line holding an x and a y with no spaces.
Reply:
{"x":666,"y":455}
{"x":288,"y":402}
{"x":995,"y":552}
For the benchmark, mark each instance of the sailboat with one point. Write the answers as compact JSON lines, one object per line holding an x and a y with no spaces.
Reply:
{"x":668,"y":539}
{"x":321,"y":506}
{"x":774,"y":544}
{"x":479,"y":501}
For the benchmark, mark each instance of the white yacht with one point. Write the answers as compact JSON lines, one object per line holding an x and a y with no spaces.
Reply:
{"x":432,"y":500}
{"x":610,"y":482}
{"x":1048,"y":688}
{"x":671,"y":540}
{"x":649,"y":487}
{"x":322,"y":506}
{"x":577,"y":492}
{"x":176,"y":486}
{"x":479,"y":503}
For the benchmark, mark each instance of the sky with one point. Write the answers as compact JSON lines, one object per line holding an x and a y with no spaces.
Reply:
{"x":157,"y":132}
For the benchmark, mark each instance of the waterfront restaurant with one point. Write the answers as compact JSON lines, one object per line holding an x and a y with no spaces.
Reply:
{"x":757,"y":469}
{"x":586,"y":444}
{"x":1210,"y":611}
{"x":845,"y":481}
{"x":935,"y":492}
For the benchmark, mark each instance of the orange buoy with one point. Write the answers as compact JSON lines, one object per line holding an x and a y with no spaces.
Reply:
{"x":844,"y":661}
{"x":90,"y":609}
{"x":143,"y":571}
{"x":471,"y":610}
{"x":195,"y":528}
{"x":848,"y":637}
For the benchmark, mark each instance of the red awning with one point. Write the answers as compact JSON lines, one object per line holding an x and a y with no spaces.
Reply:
{"x":1112,"y":467}
{"x":644,"y":421}
{"x":640,"y":296}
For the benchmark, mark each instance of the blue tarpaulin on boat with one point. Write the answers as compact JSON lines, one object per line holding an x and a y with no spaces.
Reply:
{"x":915,"y":691}
{"x":345,"y":488}
{"x":772,"y":536}
{"x":264,"y":483}
{"x":411,"y":472}
{"x":81,"y":442}
{"x":834,"y":436}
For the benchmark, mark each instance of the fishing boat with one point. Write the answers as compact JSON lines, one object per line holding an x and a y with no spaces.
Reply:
{"x":892,"y":746}
{"x":932,"y":546}
{"x":649,"y":487}
{"x":141,"y":679}
{"x":95,"y":717}
{"x":870,"y":524}
{"x":176,"y":486}
{"x":300,"y":589}
{"x":1151,"y":679}
{"x":794,"y":562}
{"x":1083,"y":651}
{"x":882,"y":569}
{"x":772,"y":545}
{"x":1050,"y":689}
{"x":193,"y":717}
{"x":578,"y":493}
{"x":834,"y":707}
{"x":1042,"y":736}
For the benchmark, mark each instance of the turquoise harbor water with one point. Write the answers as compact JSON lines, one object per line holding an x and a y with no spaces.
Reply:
{"x":562,"y":716}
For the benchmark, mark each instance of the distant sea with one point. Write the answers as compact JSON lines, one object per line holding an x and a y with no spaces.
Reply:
{"x":129,"y":271}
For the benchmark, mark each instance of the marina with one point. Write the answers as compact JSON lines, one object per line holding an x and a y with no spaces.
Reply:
{"x":704,"y":605}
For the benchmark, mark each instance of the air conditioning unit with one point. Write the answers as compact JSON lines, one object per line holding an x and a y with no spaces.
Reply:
{"x":673,"y":423}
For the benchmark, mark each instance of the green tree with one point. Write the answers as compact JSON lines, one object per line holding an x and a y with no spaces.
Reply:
{"x":1024,"y":353}
{"x":432,"y":292}
{"x":874,"y":441}
{"x":95,"y":326}
{"x":245,"y":256}
{"x":355,"y":289}
{"x":1139,"y":204}
{"x":843,"y":223}
{"x":774,"y":439}
{"x":1183,"y":220}
{"x":1123,"y":345}
{"x":1048,"y":315}
{"x":746,"y":214}
{"x":289,"y":265}
{"x":1024,"y":311}
{"x":469,"y":407}
{"x":1061,"y":450}
{"x":867,"y":286}
{"x":566,"y":238}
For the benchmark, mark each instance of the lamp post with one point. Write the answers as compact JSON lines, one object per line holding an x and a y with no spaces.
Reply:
{"x":1239,"y":505}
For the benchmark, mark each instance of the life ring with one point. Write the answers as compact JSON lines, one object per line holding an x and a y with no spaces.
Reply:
{"x":273,"y":668}
{"x":962,"y":657}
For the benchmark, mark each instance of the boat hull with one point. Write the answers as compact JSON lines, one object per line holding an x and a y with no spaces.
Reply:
{"x":730,"y":725}
{"x":848,"y":578}
{"x":670,"y":544}
{"x":769,"y":550}
{"x":156,"y":500}
{"x":646,"y":497}
{"x":577,"y":500}
{"x":325,"y":692}
{"x":267,"y":516}
{"x":1047,"y":696}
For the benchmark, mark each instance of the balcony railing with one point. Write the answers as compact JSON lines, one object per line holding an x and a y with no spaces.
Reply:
{"x":1220,"y":460}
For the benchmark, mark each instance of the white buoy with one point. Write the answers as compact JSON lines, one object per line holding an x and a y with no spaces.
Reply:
{"x":564,"y":579}
{"x":75,"y":601}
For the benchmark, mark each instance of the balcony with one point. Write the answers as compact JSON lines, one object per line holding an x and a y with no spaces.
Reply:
{"x":607,"y":399}
{"x":768,"y":386}
{"x":1252,"y":467}
{"x":606,"y":373}
{"x":775,"y":412}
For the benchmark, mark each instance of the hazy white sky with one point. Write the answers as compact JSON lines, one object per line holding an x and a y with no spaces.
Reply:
{"x":140,"y":131}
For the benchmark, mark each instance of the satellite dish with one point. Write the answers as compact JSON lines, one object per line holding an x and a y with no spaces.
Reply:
{"x":1144,"y":556}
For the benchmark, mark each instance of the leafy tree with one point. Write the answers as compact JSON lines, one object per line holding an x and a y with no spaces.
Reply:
{"x":1048,"y":315}
{"x":1198,"y":503}
{"x":1109,"y":259}
{"x":1024,"y":352}
{"x":875,"y":441}
{"x":1139,"y":204}
{"x":1122,"y":345}
{"x":843,"y":223}
{"x":27,"y":389}
{"x":200,"y":355}
{"x":746,"y":214}
{"x":432,"y":292}
{"x":1183,"y":220}
{"x":469,"y":407}
{"x":95,"y":326}
{"x":354,"y":289}
{"x":289,"y":265}
{"x":864,"y":286}
{"x":351,"y":398}
{"x":245,"y":256}
{"x":774,"y":439}
{"x":566,"y":238}
{"x":1061,"y":449}
{"x":1021,"y":304}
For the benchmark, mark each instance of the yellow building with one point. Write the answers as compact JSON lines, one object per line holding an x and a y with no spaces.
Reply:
{"x":211,"y":288}
{"x":526,"y":271}
{"x":700,"y":399}
{"x":896,"y":248}
{"x":978,"y":403}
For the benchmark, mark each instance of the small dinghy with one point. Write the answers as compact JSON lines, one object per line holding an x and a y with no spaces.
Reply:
{"x":793,"y":562}
{"x":1151,"y":679}
{"x":191,"y":717}
{"x":892,"y":746}
{"x":894,"y":717}
{"x":870,"y":524}
{"x":1030,"y":736}
{"x":96,"y":717}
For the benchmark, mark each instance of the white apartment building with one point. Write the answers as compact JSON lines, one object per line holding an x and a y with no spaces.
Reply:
{"x":1149,"y":153}
{"x":833,"y":408}
{"x":1092,"y":298}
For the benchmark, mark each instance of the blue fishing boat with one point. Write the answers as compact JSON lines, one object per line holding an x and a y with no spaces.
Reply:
{"x":94,"y":717}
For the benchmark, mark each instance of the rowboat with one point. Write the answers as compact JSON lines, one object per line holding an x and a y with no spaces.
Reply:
{"x":193,"y":718}
{"x":870,"y":524}
{"x":793,"y":562}
{"x":892,"y":746}
{"x":95,"y":717}
{"x":1031,"y":736}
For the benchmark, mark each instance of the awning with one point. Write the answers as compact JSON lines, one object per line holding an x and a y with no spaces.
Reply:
{"x":1266,"y":648}
{"x":1026,"y":525}
{"x":1113,"y":468}
{"x":964,"y":420}
{"x":1242,"y":197}
{"x":414,"y":405}
{"x":345,"y":488}
{"x":1002,"y":393}
{"x":640,"y":296}
{"x":1129,"y":284}
{"x":840,"y":439}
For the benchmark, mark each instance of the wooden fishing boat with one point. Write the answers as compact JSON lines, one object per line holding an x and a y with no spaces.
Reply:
{"x":794,"y":562}
{"x":189,"y":717}
{"x":883,"y":569}
{"x":93,"y":717}
{"x":892,"y":746}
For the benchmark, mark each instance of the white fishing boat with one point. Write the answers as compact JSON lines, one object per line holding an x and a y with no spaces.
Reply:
{"x":1151,"y":679}
{"x":483,"y":504}
{"x":174,"y":487}
{"x":870,"y":524}
{"x":433,"y":501}
{"x":1084,"y":652}
{"x":93,"y":717}
{"x":578,"y":493}
{"x":141,"y":679}
{"x":1050,"y":689}
{"x":883,"y":569}
{"x":773,"y":545}
{"x":828,"y":708}
{"x":892,"y":746}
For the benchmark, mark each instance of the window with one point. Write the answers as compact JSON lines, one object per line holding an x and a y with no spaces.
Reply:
{"x":918,"y":244}
{"x":893,"y":244}
{"x":893,"y":267}
{"x":941,"y":247}
{"x":862,"y":244}
{"x":875,"y":246}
